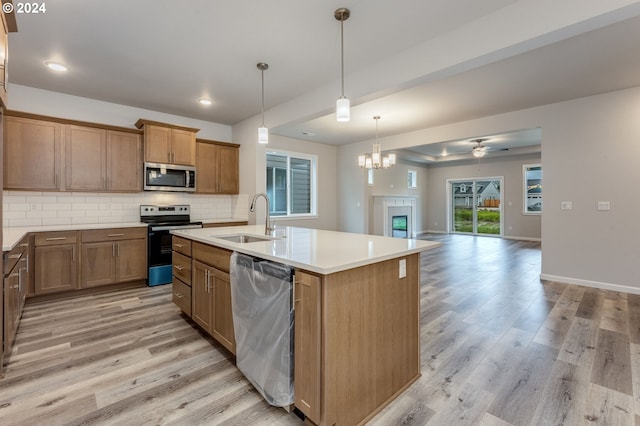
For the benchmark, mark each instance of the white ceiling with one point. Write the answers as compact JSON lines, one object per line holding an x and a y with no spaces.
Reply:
{"x":163,"y":55}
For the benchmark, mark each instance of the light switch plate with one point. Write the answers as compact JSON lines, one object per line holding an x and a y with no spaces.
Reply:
{"x":403,"y":268}
{"x":566,"y":205}
{"x":604,"y":205}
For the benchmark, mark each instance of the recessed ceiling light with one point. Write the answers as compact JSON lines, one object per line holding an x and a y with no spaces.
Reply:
{"x":204,"y":101}
{"x":56,"y":66}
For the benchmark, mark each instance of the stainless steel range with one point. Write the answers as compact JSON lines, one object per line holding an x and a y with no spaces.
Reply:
{"x":161,"y":220}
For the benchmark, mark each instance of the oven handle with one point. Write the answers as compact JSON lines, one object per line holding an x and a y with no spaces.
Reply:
{"x":173,"y":227}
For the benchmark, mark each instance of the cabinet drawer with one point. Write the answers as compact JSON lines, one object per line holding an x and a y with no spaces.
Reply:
{"x":113,"y":234}
{"x":182,"y":267}
{"x":213,"y":256}
{"x":182,"y":296}
{"x":11,"y":258}
{"x":182,"y":245}
{"x":53,"y":238}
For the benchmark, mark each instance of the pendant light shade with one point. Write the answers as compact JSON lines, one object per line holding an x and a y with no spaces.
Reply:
{"x":263,"y":132}
{"x":343,"y":106}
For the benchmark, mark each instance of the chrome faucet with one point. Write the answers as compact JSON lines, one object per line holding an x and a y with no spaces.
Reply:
{"x":267,"y":224}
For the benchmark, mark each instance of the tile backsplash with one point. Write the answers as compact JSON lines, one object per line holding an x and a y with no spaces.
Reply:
{"x":27,"y":208}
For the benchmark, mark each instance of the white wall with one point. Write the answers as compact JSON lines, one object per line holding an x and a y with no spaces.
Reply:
{"x":54,"y":104}
{"x":522,"y":226}
{"x":589,"y":152}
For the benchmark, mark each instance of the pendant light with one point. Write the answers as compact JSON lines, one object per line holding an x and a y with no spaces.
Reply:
{"x":343,"y":105}
{"x":375,"y":160}
{"x":263,"y":132}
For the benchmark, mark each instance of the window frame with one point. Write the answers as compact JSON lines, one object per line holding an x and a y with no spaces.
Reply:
{"x":412,"y":182}
{"x":313,"y":183}
{"x":525,"y":190}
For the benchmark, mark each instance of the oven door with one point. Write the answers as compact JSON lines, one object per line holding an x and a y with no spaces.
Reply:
{"x":159,"y":253}
{"x":169,"y":177}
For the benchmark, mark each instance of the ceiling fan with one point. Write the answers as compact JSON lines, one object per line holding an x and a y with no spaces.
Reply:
{"x":479,"y":150}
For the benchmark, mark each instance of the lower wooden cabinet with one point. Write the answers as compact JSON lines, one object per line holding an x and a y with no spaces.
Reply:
{"x":16,"y":277}
{"x":307,"y":344}
{"x":56,"y":262}
{"x":208,"y":284}
{"x":113,"y":255}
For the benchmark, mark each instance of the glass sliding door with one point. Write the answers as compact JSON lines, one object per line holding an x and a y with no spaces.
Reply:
{"x":476,"y":206}
{"x":462,"y":207}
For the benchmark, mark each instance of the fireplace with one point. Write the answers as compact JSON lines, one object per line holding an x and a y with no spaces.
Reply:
{"x":399,"y":226}
{"x":394,"y":216}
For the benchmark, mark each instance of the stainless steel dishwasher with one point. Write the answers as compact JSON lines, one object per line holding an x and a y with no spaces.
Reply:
{"x":261,"y":300}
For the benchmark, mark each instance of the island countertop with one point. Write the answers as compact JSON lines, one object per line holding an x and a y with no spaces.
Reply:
{"x":315,"y":250}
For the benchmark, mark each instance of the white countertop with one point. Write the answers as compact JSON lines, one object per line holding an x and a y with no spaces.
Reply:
{"x":323,"y":252}
{"x":12,"y":236}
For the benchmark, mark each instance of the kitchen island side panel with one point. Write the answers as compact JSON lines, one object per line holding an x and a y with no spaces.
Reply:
{"x":371,"y":338}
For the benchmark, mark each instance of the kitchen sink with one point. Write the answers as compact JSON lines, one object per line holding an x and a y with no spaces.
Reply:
{"x":244,"y":238}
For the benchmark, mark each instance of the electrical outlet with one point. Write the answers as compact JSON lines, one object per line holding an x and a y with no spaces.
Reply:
{"x":435,"y":223}
{"x":566,"y":205}
{"x":403,"y":268}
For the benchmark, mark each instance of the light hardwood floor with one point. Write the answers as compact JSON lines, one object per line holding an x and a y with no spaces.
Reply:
{"x":499,"y":347}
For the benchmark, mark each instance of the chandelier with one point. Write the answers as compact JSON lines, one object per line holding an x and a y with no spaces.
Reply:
{"x":375,"y":160}
{"x":479,"y":150}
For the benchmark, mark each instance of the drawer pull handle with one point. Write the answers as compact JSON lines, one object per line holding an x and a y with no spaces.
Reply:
{"x":15,"y":256}
{"x":179,"y":268}
{"x":55,"y":238}
{"x":178,"y":295}
{"x":178,"y":245}
{"x":115,"y":235}
{"x":24,"y":245}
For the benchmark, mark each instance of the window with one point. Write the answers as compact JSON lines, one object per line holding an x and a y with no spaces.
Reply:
{"x":532,"y":176}
{"x":291,"y":184}
{"x":370,"y":177}
{"x":412,"y":179}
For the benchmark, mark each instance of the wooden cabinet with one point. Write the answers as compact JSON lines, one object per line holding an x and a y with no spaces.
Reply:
{"x":124,"y":161}
{"x":32,"y":154}
{"x":168,"y":144}
{"x":95,"y":158}
{"x":4,"y":56}
{"x":85,"y":158}
{"x":113,"y":255}
{"x":307,"y":344}
{"x":16,"y":276}
{"x":217,"y":166}
{"x":102,"y":160}
{"x":56,"y":262}
{"x":208,"y":285}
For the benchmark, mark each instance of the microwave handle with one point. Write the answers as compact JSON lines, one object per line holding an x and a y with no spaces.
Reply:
{"x":188,"y":177}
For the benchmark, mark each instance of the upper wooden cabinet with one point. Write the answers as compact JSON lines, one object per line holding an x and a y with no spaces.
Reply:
{"x":168,"y":144}
{"x":32,"y":154}
{"x":217,"y":168}
{"x":93,"y":158}
{"x":4,"y":50}
{"x":85,"y":159}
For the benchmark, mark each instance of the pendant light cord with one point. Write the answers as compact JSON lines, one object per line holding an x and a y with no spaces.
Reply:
{"x":262,"y":71}
{"x":342,"y":53}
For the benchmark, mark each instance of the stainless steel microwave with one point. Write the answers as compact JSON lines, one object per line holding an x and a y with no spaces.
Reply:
{"x":169,"y":177}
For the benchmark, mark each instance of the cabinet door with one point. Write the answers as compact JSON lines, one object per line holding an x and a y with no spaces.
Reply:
{"x":11,"y":287}
{"x":307,"y":345}
{"x":32,"y":151}
{"x":124,"y":161}
{"x":222,"y":323}
{"x":85,"y":158}
{"x":157,"y":144}
{"x":98,"y":265}
{"x":55,"y":268}
{"x":4,"y":48}
{"x":131,"y":260}
{"x":206,"y":168}
{"x":183,"y":147}
{"x":201,"y":295}
{"x":228,"y":170}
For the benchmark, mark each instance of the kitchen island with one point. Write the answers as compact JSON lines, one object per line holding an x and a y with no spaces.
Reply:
{"x":357,"y":309}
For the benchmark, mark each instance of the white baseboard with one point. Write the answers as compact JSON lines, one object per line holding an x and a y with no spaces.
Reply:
{"x":594,"y":284}
{"x":522,"y":238}
{"x":431,"y":231}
